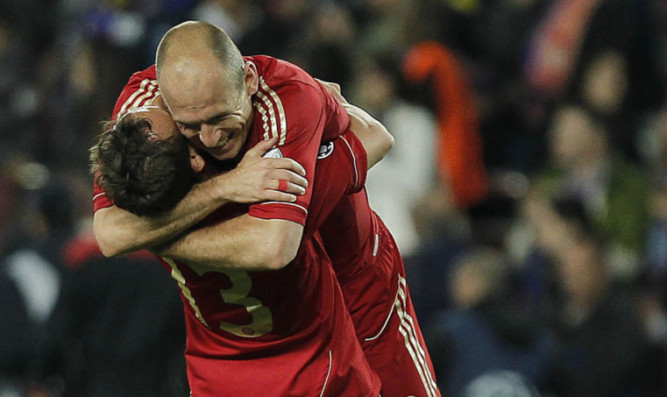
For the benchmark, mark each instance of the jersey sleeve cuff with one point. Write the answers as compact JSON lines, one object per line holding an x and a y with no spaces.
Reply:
{"x":294,"y":212}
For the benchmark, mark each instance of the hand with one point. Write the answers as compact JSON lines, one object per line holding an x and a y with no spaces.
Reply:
{"x":258,"y":179}
{"x":334,"y":90}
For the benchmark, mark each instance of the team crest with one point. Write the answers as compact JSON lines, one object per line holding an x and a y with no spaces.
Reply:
{"x":325,"y":150}
{"x":274,"y":153}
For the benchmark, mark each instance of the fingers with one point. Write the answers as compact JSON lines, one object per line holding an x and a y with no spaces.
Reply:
{"x":275,"y":195}
{"x":330,"y":86}
{"x":286,"y":164}
{"x":262,"y":147}
{"x":333,"y":89}
{"x":293,"y":183}
{"x":285,"y":191}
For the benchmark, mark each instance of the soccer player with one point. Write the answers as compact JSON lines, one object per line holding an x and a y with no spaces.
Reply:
{"x":284,"y":332}
{"x":367,"y":262}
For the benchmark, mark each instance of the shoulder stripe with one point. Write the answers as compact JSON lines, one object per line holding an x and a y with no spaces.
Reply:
{"x":146,"y":89}
{"x":354,"y":161}
{"x":276,"y":110}
{"x":265,"y":118}
{"x":150,"y":93}
{"x":269,"y":120}
{"x":95,"y":197}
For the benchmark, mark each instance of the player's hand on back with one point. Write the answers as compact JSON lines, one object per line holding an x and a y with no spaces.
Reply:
{"x":334,"y":90}
{"x":257,"y":178}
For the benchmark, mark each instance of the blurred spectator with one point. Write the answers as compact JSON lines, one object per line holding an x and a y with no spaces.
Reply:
{"x":490,"y":38}
{"x":281,"y":31}
{"x":602,"y":344}
{"x":613,"y":191}
{"x":31,"y":271}
{"x":597,"y":52}
{"x":486,"y":343}
{"x":459,"y":147}
{"x":16,"y":338}
{"x":117,"y":328}
{"x":396,"y":184}
{"x":236,"y":17}
{"x":394,"y":25}
{"x":327,"y":50}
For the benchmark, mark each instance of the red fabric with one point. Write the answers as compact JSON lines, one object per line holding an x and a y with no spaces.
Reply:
{"x":310,"y":116}
{"x":140,"y":89}
{"x":460,"y":156}
{"x":287,"y":332}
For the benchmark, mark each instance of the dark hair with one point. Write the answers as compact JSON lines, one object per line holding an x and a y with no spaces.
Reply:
{"x":141,"y":174}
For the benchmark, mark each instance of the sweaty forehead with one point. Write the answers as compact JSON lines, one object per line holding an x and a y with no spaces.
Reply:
{"x":191,"y":85}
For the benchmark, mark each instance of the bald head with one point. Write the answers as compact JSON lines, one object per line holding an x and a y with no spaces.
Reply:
{"x":208,"y":87}
{"x":196,"y":52}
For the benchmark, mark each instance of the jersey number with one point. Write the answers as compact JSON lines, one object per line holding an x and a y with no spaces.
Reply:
{"x":262,"y":321}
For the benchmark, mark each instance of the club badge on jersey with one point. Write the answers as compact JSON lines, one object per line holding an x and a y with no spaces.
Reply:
{"x":325,"y":150}
{"x":274,"y":153}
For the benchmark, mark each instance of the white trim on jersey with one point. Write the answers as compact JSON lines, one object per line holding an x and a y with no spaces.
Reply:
{"x":146,"y":90}
{"x":281,"y":110}
{"x":270,"y":107}
{"x":99,"y":195}
{"x":354,"y":158}
{"x":326,"y":380}
{"x":415,"y":349}
{"x":386,"y":321}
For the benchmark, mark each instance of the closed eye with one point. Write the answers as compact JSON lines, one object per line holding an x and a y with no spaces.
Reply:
{"x":185,"y":127}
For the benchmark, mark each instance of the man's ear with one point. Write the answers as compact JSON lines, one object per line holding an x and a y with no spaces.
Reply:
{"x":251,"y":78}
{"x":196,"y":161}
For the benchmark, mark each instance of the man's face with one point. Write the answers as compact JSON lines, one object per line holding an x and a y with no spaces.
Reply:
{"x":162,"y":126}
{"x":215,"y":115}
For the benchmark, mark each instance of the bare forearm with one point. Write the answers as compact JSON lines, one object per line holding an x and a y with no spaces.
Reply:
{"x":240,"y":243}
{"x":119,"y":231}
{"x":373,"y":135}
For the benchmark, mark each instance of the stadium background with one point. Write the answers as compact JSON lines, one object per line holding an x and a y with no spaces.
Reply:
{"x":526,"y":188}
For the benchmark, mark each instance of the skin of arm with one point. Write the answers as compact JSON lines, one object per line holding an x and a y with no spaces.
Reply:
{"x":250,"y":243}
{"x":118,"y":231}
{"x":255,"y":179}
{"x":243,"y":242}
{"x":373,"y":135}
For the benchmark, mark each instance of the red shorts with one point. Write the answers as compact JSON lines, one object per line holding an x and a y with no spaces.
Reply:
{"x":386,"y":324}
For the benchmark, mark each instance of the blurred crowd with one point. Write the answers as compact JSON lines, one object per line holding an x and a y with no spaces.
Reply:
{"x":526,"y":188}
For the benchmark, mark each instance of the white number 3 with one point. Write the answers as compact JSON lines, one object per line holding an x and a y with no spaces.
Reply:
{"x":262,"y":320}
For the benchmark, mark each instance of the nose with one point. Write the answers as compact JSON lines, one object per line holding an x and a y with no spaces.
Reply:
{"x":209,"y":135}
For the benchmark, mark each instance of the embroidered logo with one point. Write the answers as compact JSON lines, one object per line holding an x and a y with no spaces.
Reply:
{"x":325,"y":150}
{"x":274,"y":153}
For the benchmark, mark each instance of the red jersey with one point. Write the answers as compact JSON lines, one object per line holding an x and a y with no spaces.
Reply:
{"x":291,"y":105}
{"x":140,"y":89}
{"x":274,"y":333}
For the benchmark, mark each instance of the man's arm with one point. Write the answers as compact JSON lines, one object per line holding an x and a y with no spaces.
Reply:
{"x":243,"y":242}
{"x":255,"y":179}
{"x":375,"y":138}
{"x":251,"y":243}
